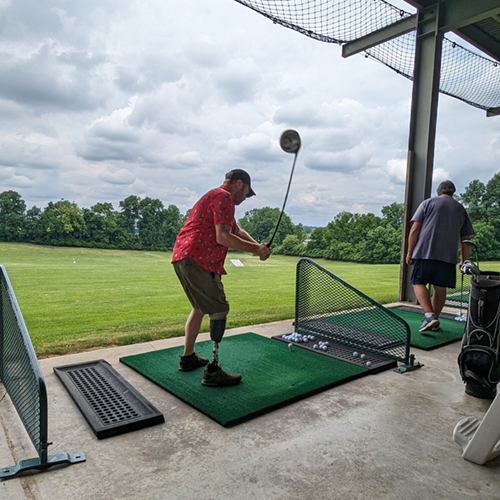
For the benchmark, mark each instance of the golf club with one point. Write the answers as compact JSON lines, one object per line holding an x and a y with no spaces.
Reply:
{"x":290,"y":143}
{"x":461,"y":317}
{"x":468,"y":267}
{"x":472,"y":244}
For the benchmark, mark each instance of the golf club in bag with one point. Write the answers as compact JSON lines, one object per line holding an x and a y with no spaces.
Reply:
{"x":461,"y":317}
{"x":290,"y":143}
{"x":478,"y":360}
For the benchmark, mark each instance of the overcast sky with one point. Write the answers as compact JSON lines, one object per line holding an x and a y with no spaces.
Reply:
{"x":104,"y":98}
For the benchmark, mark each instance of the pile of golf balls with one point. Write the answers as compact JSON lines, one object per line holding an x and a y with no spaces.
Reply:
{"x":322,"y":346}
{"x":355,"y":354}
{"x":297,"y":337}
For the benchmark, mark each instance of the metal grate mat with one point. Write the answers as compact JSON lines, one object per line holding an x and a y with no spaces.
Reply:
{"x":110,"y":405}
{"x":345,"y":353}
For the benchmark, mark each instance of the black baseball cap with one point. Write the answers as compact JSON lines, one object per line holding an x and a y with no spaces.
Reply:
{"x":238,"y":174}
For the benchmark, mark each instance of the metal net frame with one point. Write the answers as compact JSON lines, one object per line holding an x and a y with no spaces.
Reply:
{"x":22,"y":378}
{"x":20,"y":371}
{"x":465,"y":75}
{"x":331,"y":309}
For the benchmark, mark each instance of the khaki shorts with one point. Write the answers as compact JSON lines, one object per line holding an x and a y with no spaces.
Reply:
{"x":203,"y":288}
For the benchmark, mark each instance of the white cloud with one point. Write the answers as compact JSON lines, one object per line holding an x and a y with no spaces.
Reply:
{"x":121,"y":176}
{"x":8,"y":177}
{"x":396,"y":168}
{"x":439,"y":175}
{"x":100,"y":100}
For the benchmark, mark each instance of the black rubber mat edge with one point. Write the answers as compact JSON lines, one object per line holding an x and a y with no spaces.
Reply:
{"x":345,"y":353}
{"x":108,"y":402}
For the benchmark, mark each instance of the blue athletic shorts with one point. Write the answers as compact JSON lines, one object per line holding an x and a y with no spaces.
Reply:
{"x":435,"y":272}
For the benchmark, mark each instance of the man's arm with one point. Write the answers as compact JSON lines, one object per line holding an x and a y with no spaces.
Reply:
{"x":412,"y":240}
{"x":465,"y":250}
{"x":241,"y":233}
{"x":225,"y":236}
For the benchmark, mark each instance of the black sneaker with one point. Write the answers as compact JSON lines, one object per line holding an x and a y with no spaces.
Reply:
{"x":429,"y":324}
{"x":220,"y":378}
{"x":188,"y":363}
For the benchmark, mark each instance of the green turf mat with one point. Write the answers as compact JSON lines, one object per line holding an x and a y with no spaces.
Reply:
{"x":272,"y":376}
{"x":450,"y":331}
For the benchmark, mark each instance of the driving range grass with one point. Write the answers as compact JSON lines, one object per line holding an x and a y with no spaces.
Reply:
{"x":74,"y":299}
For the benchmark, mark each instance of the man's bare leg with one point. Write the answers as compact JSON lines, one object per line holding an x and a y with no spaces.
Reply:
{"x":192,"y":329}
{"x":424,"y":298}
{"x":438,"y":299}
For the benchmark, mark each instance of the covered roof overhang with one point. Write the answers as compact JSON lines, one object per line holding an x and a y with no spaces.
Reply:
{"x":476,"y":21}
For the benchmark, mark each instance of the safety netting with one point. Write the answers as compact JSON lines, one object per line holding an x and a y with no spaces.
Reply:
{"x":465,"y":75}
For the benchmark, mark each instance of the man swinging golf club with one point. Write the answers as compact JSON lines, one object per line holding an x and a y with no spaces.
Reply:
{"x":198,"y":259}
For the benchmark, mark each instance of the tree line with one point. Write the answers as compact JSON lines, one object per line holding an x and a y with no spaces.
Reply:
{"x":147,"y":224}
{"x":139,"y":224}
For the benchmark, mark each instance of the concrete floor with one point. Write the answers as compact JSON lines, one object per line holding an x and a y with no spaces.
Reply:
{"x":384,"y":436}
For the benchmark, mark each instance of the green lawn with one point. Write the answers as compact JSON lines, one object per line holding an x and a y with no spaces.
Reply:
{"x":76,"y":298}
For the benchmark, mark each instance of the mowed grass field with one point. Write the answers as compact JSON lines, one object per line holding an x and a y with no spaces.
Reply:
{"x":74,"y":299}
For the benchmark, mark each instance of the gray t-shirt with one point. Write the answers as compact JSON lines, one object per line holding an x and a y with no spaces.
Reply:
{"x":444,"y":222}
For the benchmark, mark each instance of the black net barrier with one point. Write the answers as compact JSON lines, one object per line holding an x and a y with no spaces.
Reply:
{"x":22,"y":378}
{"x":331,"y":309}
{"x":19,"y":368}
{"x":465,"y":75}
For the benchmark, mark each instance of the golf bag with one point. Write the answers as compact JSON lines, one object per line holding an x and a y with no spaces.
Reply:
{"x":479,"y":358}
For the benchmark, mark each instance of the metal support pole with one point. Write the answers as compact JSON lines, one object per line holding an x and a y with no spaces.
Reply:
{"x":422,"y":127}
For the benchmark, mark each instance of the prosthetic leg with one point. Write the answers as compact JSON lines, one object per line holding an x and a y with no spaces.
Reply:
{"x":217,"y":329}
{"x":214,"y":375}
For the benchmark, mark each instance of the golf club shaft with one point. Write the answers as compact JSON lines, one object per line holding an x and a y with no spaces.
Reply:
{"x":461,"y":294}
{"x":284,"y":203}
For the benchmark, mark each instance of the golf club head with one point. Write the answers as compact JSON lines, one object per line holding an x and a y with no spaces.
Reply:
{"x":290,"y":141}
{"x":468,"y":267}
{"x":470,"y":243}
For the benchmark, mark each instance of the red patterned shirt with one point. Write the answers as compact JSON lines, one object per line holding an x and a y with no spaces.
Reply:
{"x":197,"y":240}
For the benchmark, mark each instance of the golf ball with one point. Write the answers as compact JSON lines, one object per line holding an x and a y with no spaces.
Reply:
{"x":324,"y":347}
{"x":363,"y":356}
{"x":355,"y":354}
{"x":290,"y":346}
{"x":315,"y":346}
{"x":368,"y":364}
